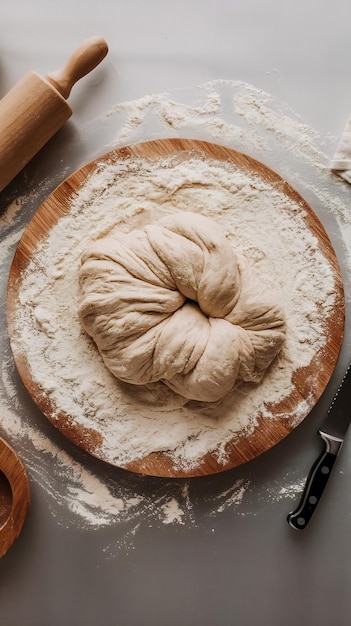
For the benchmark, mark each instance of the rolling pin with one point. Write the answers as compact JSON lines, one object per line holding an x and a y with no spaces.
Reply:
{"x":36,"y":107}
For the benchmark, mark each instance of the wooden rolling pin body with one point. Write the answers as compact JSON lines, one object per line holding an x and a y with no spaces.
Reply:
{"x":36,"y":107}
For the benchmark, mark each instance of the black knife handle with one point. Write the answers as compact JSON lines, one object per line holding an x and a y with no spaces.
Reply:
{"x":316,"y":482}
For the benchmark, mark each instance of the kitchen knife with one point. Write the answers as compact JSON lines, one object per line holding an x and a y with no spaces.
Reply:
{"x":332,"y":432}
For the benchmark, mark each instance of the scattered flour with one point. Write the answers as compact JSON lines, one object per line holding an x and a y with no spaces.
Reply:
{"x":232,"y":497}
{"x":172,"y":512}
{"x":242,"y":117}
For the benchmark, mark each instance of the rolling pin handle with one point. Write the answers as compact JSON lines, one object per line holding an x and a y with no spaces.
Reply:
{"x":85,"y":58}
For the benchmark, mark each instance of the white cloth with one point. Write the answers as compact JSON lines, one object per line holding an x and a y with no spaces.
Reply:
{"x":341,"y":161}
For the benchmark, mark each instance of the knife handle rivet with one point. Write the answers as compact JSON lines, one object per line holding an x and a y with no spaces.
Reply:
{"x":325,"y":469}
{"x":312,"y":500}
{"x":300,"y":521}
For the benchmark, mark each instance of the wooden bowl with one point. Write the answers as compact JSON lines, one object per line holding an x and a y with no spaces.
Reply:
{"x":14,"y":496}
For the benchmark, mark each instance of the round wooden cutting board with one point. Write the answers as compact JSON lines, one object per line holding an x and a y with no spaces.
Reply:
{"x":308,"y":382}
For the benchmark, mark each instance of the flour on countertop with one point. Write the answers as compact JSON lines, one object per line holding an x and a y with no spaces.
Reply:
{"x":172,"y":512}
{"x":231,"y":497}
{"x":244,"y":118}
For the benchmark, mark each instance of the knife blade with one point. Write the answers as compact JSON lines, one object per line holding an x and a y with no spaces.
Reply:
{"x":332,"y":432}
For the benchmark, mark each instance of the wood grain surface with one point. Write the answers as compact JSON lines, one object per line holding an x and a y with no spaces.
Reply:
{"x":308,"y":382}
{"x":14,"y":496}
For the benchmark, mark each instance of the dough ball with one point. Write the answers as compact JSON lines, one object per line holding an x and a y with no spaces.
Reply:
{"x":174,"y":302}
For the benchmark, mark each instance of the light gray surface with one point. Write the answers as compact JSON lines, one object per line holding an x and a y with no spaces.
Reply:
{"x":245,"y":566}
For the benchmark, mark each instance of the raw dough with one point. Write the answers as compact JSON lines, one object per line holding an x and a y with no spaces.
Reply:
{"x":174,"y":302}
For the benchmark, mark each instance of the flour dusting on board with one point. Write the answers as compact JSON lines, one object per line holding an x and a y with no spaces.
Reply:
{"x":248,"y":120}
{"x":259,"y":220}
